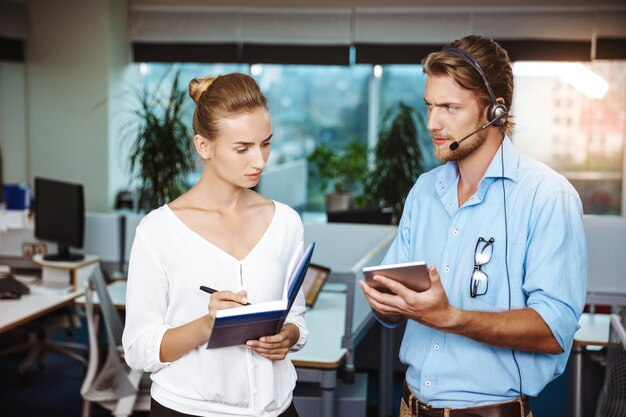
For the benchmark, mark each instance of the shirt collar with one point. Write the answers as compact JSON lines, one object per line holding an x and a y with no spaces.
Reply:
{"x":511,"y":162}
{"x":449,"y":172}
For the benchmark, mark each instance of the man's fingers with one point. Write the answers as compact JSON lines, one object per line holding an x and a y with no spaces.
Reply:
{"x":393,"y":285}
{"x":433,"y":275}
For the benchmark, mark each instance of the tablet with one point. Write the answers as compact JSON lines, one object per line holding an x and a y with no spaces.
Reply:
{"x":413,"y":275}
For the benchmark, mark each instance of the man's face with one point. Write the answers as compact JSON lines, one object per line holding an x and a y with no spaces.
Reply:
{"x":453,"y":112}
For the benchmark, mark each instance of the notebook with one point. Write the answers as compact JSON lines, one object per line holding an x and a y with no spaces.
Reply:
{"x":235,"y":326}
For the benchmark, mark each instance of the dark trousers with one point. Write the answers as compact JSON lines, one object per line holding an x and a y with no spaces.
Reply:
{"x":157,"y":410}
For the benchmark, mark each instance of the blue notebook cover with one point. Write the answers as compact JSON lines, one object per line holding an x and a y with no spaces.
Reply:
{"x":237,"y":326}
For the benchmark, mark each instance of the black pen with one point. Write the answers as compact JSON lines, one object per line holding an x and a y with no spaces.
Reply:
{"x":212,"y":290}
{"x":207,"y":289}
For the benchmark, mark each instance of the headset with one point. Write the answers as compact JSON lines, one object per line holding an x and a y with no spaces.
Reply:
{"x":497,"y":114}
{"x":497,"y":111}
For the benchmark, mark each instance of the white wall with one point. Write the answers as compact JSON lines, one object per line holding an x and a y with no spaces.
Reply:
{"x":74,"y":52}
{"x":120,"y":98}
{"x":13,"y":122}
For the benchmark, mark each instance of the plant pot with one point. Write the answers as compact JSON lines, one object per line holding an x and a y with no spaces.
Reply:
{"x":339,"y":201}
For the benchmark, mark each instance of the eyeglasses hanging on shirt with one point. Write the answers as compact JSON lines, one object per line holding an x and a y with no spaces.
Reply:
{"x":482,"y":255}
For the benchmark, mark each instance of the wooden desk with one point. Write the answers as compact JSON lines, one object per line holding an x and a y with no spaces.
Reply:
{"x":39,"y":302}
{"x":594,"y":331}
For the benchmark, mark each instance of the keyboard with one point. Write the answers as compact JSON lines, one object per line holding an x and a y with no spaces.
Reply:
{"x":10,"y":284}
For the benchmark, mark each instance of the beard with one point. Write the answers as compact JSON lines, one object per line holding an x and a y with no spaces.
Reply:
{"x":445,"y":154}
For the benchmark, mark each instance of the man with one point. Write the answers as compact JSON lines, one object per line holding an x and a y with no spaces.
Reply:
{"x":504,"y":238}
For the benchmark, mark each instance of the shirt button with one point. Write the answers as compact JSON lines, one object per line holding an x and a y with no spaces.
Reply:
{"x":447,"y":268}
{"x":456,"y":231}
{"x":436,"y":346}
{"x":427,"y":384}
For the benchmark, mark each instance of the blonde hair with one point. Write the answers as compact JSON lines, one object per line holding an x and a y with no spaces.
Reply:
{"x":493,"y":60}
{"x":221,"y":96}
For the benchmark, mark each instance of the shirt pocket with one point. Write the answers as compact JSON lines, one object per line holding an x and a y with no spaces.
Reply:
{"x":223,"y":376}
{"x":497,"y":296}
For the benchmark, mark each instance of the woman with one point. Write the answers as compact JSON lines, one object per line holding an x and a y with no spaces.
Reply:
{"x":222,"y":235}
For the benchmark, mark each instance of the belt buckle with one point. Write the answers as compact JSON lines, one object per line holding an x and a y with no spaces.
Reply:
{"x":415,"y":408}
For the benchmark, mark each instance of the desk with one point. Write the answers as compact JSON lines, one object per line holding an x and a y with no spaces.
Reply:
{"x":594,"y":331}
{"x":38,"y":303}
{"x":323,"y":354}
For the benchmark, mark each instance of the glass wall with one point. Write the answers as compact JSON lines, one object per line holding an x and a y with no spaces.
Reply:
{"x":568,"y":115}
{"x":571,"y":116}
{"x":406,"y":83}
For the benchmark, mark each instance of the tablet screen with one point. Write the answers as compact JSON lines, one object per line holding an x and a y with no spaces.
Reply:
{"x":315,"y":278}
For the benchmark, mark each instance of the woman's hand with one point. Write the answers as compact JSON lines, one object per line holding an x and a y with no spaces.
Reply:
{"x":179,"y":340}
{"x":221,"y":300}
{"x":277,"y":346}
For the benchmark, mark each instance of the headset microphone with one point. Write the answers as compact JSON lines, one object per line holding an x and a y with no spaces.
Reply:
{"x":454,"y":145}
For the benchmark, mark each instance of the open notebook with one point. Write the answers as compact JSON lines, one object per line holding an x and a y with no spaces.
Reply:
{"x":235,"y":326}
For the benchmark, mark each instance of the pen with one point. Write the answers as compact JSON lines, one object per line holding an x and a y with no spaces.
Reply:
{"x":212,"y":290}
{"x":207,"y":289}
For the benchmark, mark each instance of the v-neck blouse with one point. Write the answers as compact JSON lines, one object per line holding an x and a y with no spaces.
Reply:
{"x":168,"y":263}
{"x":216,"y":248}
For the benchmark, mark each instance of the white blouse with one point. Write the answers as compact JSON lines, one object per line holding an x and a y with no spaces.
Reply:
{"x":168,"y":263}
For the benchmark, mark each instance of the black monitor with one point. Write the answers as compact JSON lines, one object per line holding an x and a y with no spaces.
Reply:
{"x":371,"y":215}
{"x":60,"y":217}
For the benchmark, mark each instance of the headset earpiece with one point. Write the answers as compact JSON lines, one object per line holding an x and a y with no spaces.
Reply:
{"x":499,"y":113}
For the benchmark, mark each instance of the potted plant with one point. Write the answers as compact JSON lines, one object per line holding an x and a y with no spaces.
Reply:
{"x":161,"y":155}
{"x":399,"y":159}
{"x":342,"y":170}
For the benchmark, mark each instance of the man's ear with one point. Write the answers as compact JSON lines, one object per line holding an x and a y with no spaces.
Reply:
{"x":204,"y":147}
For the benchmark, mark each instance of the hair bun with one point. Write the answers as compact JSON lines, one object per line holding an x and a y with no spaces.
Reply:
{"x":197,"y":86}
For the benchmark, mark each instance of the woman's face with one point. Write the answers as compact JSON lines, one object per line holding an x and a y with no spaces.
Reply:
{"x":239,"y":152}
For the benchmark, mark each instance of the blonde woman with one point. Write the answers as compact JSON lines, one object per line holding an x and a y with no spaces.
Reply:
{"x":223,"y":235}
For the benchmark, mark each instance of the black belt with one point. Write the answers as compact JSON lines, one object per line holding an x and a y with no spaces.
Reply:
{"x":506,"y":409}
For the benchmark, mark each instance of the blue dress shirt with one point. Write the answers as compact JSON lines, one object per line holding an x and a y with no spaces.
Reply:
{"x":547,"y":269}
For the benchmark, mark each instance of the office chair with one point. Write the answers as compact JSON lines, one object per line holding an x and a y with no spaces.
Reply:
{"x":114,"y":385}
{"x":612,"y":399}
{"x":40,"y":332}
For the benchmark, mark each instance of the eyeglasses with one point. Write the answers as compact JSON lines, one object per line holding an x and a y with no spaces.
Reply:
{"x":482,"y":255}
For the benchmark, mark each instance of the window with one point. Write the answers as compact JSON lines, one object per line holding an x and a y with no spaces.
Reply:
{"x":569,"y":115}
{"x":592,"y":153}
{"x":312,"y":105}
{"x":407,"y":83}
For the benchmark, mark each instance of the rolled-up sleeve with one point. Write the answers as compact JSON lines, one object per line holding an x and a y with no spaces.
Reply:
{"x":146,"y":304}
{"x":556,"y":265}
{"x":296,"y":314}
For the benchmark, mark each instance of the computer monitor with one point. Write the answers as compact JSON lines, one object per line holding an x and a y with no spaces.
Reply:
{"x":60,"y":217}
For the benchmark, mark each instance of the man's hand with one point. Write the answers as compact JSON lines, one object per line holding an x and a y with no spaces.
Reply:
{"x":277,"y":346}
{"x":522,"y":329}
{"x":430,"y":307}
